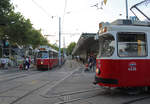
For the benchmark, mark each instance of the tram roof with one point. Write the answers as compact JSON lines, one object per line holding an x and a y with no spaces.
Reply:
{"x":54,"y":50}
{"x":130,"y":22}
{"x":47,"y":48}
{"x":86,"y":42}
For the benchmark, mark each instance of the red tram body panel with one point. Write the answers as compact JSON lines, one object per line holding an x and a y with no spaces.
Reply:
{"x":124,"y":73}
{"x":44,"y":64}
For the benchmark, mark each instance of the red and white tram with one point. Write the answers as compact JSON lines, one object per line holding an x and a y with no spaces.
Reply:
{"x":47,"y":58}
{"x":124,"y":54}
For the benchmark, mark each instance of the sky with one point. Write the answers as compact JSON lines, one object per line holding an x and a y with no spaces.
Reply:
{"x":77,"y":16}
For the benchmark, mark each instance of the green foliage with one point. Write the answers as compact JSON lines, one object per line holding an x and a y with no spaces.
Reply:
{"x":5,"y":9}
{"x":70,"y":48}
{"x":36,"y":38}
{"x":18,"y":29}
{"x":54,"y":46}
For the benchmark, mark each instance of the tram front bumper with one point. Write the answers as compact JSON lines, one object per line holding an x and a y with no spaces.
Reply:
{"x":42,"y":66}
{"x":105,"y":80}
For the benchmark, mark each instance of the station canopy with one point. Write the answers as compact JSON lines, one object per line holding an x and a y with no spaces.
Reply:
{"x":86,"y":44}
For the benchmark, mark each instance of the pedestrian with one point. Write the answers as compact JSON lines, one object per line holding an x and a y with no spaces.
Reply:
{"x":86,"y":67}
{"x":90,"y":62}
{"x":27,"y":63}
{"x":6,"y":64}
{"x":21,"y":67}
{"x":24,"y":63}
{"x":3,"y":62}
{"x":88,"y":59}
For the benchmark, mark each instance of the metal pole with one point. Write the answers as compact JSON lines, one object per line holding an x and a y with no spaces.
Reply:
{"x":59,"y":41}
{"x":126,"y":9}
{"x":2,"y":52}
{"x":9,"y":51}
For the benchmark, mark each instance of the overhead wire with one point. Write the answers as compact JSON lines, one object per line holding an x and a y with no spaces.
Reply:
{"x":42,"y":8}
{"x":65,"y":7}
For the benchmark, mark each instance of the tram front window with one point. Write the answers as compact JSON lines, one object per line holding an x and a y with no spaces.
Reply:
{"x":131,"y":44}
{"x":43,"y":54}
{"x":107,"y":46}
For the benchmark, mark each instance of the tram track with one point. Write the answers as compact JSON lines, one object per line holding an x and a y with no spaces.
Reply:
{"x":30,"y":92}
{"x":68,"y":95}
{"x":43,"y":85}
{"x":77,"y":99}
{"x":137,"y":100}
{"x":13,"y":77}
{"x":80,"y":99}
{"x":12,"y":88}
{"x":9,"y":74}
{"x":71,"y":93}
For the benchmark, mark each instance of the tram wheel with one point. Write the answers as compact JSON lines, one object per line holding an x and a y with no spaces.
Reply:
{"x":147,"y":89}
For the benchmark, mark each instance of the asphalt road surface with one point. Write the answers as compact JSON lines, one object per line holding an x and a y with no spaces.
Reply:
{"x":66,"y":85}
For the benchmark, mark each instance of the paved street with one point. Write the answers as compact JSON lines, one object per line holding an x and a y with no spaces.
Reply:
{"x":66,"y":85}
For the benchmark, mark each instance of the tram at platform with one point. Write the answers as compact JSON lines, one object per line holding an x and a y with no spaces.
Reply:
{"x":124,"y":54}
{"x":47,"y":58}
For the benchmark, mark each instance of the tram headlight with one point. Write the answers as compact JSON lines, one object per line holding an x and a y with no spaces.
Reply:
{"x":97,"y":71}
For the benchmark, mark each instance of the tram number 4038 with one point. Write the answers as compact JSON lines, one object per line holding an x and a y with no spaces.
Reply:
{"x":132,"y":66}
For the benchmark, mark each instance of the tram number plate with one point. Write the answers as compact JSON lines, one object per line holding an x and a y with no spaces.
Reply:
{"x":132,"y":66}
{"x":132,"y":69}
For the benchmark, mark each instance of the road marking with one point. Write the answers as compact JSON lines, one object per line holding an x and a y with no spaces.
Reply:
{"x":33,"y":82}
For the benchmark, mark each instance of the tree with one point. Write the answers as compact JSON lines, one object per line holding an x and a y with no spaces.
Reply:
{"x":36,"y":38}
{"x":54,"y":46}
{"x":70,"y":48}
{"x":5,"y":9}
{"x":20,"y":31}
{"x":16,"y":29}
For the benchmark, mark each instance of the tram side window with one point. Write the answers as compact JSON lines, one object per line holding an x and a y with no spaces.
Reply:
{"x":50,"y":54}
{"x":108,"y":46}
{"x":132,"y":44}
{"x":55,"y":55}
